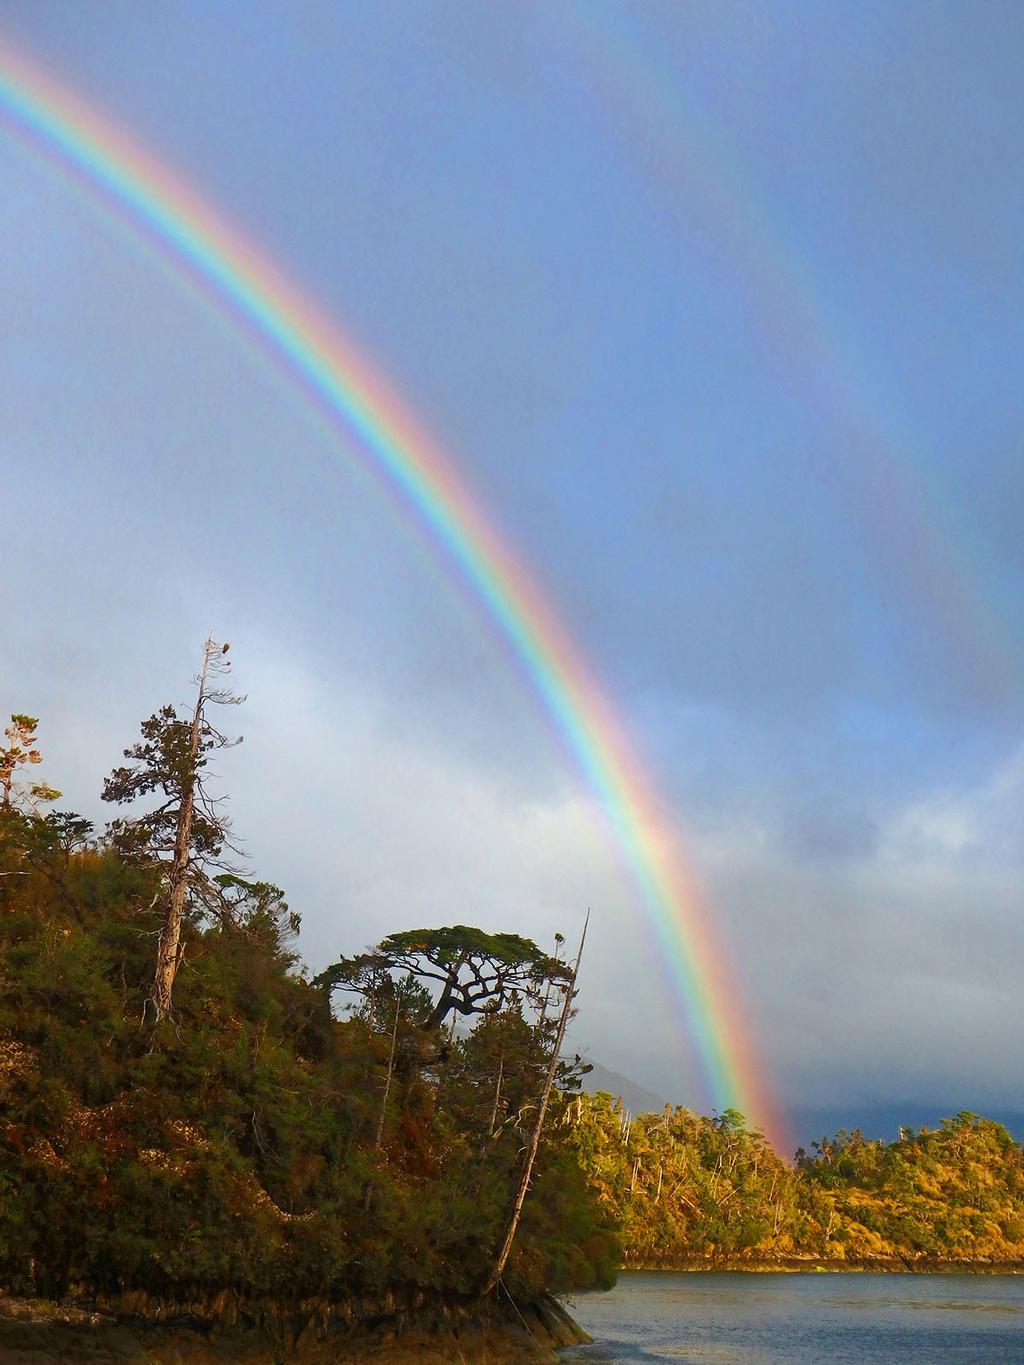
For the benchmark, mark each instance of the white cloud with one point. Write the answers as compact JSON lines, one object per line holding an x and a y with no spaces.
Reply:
{"x":982,"y":824}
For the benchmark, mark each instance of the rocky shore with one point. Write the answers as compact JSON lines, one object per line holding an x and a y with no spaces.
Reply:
{"x":482,"y":1332}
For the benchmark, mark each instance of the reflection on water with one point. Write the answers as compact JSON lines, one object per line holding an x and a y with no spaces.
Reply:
{"x":851,"y":1319}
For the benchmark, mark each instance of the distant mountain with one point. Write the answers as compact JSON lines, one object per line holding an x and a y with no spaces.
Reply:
{"x":636,"y":1099}
{"x":885,"y":1121}
{"x":807,"y":1125}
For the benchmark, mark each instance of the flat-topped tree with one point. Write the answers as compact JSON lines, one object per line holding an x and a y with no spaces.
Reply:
{"x":477,"y":971}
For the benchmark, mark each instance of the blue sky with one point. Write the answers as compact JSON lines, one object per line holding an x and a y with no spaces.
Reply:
{"x":717,"y":308}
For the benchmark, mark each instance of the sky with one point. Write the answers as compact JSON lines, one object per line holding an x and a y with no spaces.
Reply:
{"x":717,"y":310}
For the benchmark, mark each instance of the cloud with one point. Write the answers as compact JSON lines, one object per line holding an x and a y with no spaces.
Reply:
{"x":893,"y":974}
{"x":373,"y":824}
{"x":831,"y":830}
{"x":982,"y":825}
{"x":875,"y":950}
{"x":876,"y":942}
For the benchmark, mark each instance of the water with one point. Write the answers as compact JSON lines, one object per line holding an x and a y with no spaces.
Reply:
{"x":850,"y":1319}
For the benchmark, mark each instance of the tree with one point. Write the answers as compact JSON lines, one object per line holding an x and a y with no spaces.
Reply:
{"x":477,"y":971}
{"x":567,"y":985}
{"x":19,"y":752}
{"x":415,"y":981}
{"x":188,"y":831}
{"x":28,"y":839}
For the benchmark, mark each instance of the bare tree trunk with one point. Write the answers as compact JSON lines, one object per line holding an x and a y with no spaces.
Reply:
{"x":390,"y":1076}
{"x":531,"y":1153}
{"x":168,"y":953}
{"x":497,"y":1094}
{"x":382,"y":1118}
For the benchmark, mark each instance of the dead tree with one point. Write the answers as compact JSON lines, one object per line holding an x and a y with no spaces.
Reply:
{"x":569,"y":989}
{"x":378,"y":1141}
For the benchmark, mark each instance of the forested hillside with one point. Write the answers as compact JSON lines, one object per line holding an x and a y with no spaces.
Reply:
{"x":231,"y":1133}
{"x":687,"y":1190}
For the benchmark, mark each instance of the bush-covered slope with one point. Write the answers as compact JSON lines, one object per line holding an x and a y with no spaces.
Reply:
{"x":232,"y":1149}
{"x":687,"y":1189}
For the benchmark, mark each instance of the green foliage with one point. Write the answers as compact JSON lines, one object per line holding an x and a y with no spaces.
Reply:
{"x":164,"y":765}
{"x":462,"y":941}
{"x":687,"y":1189}
{"x":20,"y":751}
{"x":478,"y":972}
{"x":235,"y":1146}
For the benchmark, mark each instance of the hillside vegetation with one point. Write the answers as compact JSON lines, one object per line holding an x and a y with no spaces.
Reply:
{"x":250,"y":1150}
{"x":235,"y":1147}
{"x":688,"y":1190}
{"x":188,"y":1123}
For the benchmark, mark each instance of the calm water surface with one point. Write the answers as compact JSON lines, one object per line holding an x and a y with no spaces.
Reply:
{"x":852,"y":1319}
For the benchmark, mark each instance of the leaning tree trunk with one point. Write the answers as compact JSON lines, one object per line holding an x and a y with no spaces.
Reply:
{"x":168,"y":953}
{"x":382,"y":1118}
{"x":531,"y":1151}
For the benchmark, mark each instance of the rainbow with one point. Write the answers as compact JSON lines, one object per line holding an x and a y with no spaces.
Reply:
{"x":109,"y":166}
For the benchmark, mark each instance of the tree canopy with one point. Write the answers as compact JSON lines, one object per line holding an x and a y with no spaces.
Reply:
{"x":477,"y":972}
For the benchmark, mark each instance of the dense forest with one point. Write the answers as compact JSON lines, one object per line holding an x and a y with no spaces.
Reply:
{"x":188,"y":1118}
{"x":686,"y":1191}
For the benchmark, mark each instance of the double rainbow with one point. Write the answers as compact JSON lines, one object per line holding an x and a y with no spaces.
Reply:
{"x":129,"y":180}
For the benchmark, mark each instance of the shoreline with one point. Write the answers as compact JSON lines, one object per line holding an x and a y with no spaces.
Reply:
{"x":43,"y":1332}
{"x":814,"y":1265}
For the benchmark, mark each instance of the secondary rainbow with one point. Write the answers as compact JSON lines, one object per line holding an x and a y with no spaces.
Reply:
{"x":891,"y":480}
{"x":128,"y":179}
